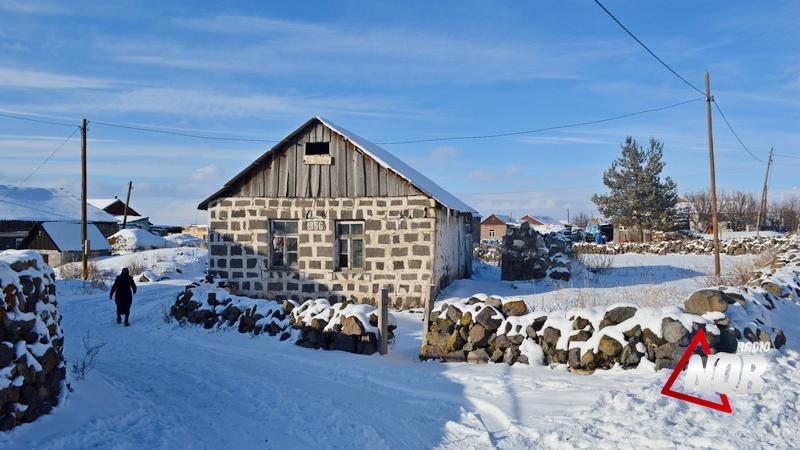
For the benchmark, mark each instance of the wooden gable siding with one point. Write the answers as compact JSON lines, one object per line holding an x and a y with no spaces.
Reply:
{"x":351,"y":174}
{"x":37,"y":239}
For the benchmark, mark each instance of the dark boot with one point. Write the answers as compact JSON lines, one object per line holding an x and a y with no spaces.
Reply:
{"x":118,"y":319}
{"x":126,"y":321}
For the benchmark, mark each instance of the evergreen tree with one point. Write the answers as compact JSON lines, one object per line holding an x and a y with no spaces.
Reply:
{"x":638,"y":198}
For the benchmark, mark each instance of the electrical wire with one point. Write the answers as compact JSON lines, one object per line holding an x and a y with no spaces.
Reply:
{"x":40,"y":165}
{"x":787,"y":156}
{"x":648,"y":50}
{"x":734,"y":133}
{"x":37,"y":120}
{"x":182,"y":134}
{"x":516,"y":133}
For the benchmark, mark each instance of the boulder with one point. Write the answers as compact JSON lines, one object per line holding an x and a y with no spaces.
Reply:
{"x":706,"y":300}
{"x":490,"y":318}
{"x":351,"y":326}
{"x":619,"y":314}
{"x":515,"y":308}
{"x":674,"y":332}
{"x":609,"y":346}
{"x":479,"y":356}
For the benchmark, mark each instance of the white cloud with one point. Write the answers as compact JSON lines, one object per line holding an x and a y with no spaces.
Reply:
{"x":43,"y":80}
{"x":210,"y":173}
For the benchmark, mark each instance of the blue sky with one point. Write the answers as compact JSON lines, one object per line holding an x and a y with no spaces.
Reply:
{"x":397,"y":71}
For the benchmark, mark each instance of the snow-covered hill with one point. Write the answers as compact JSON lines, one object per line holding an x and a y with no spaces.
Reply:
{"x":158,"y":384}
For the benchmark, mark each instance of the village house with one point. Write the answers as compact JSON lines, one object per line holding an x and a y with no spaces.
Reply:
{"x":23,"y":209}
{"x":494,"y":227}
{"x":328,"y":214}
{"x":60,"y":242}
{"x":117,"y":208}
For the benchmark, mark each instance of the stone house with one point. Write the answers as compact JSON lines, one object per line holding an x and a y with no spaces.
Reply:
{"x":328,"y":214}
{"x":494,"y":227}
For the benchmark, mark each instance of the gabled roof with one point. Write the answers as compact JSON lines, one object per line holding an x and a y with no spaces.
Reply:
{"x":67,"y":236}
{"x":380,"y":155}
{"x":496,"y":218}
{"x":45,"y":205}
{"x":102,"y":203}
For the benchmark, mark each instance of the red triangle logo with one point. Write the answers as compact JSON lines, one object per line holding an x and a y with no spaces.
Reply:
{"x":699,"y":339}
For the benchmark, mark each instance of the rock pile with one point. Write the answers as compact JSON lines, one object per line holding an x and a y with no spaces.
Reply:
{"x":32,"y":367}
{"x":482,"y":329}
{"x":738,"y":246}
{"x":529,"y":255}
{"x":346,"y":326}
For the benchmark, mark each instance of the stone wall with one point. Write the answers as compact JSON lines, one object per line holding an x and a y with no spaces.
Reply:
{"x":32,"y":366}
{"x":483,"y":329}
{"x":738,"y":246}
{"x":400,"y":244}
{"x":529,"y":255}
{"x":346,"y":326}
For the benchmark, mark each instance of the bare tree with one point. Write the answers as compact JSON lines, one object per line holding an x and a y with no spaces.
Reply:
{"x":784,"y":214}
{"x":739,"y":209}
{"x":581,"y":219}
{"x":700,"y":210}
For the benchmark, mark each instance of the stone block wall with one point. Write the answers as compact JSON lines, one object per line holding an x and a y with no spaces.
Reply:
{"x":400,"y":244}
{"x":346,"y":326}
{"x":32,"y":367}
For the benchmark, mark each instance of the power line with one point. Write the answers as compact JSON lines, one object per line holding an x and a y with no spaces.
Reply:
{"x":37,"y":120}
{"x":40,"y":165}
{"x":182,"y":134}
{"x":516,"y":133}
{"x":648,"y":50}
{"x":734,"y":133}
{"x":787,"y":156}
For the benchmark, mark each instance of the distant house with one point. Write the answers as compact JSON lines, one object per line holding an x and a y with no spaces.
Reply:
{"x":199,"y":230}
{"x":60,"y":242}
{"x":23,"y":208}
{"x":494,"y":226}
{"x":116,"y":208}
{"x":326,"y":213}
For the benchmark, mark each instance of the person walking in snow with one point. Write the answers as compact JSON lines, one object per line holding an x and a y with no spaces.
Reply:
{"x":125,"y":288}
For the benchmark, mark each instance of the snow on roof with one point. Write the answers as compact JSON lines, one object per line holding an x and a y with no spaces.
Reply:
{"x":102,"y":203}
{"x":547,"y":220}
{"x":67,"y":236}
{"x":402,"y":169}
{"x":45,"y":205}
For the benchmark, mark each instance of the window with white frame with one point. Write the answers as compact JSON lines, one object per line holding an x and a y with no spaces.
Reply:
{"x":350,"y":240}
{"x":491,"y":232}
{"x":284,"y":243}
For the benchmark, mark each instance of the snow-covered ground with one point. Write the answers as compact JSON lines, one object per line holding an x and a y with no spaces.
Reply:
{"x":158,"y":384}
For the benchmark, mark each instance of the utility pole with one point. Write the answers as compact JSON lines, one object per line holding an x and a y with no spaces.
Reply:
{"x":84,"y":238}
{"x":762,"y":207}
{"x":714,"y":222}
{"x":568,"y":216}
{"x":127,"y":202}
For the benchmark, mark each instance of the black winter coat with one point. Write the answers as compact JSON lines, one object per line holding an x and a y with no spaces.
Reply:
{"x":125,"y":288}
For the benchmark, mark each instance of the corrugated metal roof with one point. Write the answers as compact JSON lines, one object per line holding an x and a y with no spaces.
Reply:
{"x":67,"y":236}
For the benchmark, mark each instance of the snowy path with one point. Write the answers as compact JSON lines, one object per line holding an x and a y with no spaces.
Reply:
{"x":159,"y":385}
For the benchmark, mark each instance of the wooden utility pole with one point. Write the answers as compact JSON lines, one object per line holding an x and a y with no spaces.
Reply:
{"x":763,"y":205}
{"x":714,"y":222}
{"x":84,"y":238}
{"x":127,"y":202}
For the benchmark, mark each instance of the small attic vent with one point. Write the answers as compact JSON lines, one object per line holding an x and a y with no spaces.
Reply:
{"x":318,"y":148}
{"x":318,"y":153}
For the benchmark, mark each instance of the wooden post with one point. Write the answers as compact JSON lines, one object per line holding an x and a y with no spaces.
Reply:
{"x":127,"y":202}
{"x":84,"y":238}
{"x":426,"y":319}
{"x":763,"y":205}
{"x":383,"y":322}
{"x":714,"y":222}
